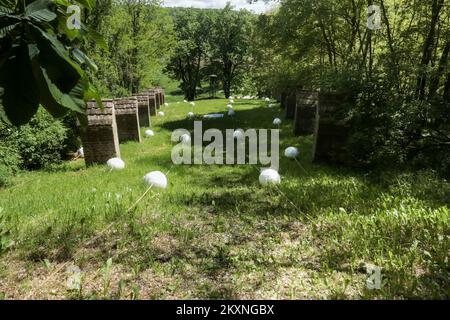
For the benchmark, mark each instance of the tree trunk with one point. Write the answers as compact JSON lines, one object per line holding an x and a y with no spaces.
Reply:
{"x":428,"y":49}
{"x":446,"y":94}
{"x":434,"y":83}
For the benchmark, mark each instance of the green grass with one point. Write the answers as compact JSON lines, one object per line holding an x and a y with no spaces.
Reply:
{"x":215,"y":233}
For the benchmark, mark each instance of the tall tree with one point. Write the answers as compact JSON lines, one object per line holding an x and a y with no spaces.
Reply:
{"x":193,"y":29}
{"x":230,"y":42}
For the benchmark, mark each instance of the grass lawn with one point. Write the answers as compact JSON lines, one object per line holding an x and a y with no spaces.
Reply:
{"x":216,"y":233}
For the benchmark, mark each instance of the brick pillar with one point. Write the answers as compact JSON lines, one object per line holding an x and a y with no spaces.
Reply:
{"x":157,"y":97}
{"x":152,"y":102}
{"x":127,"y":119}
{"x":290,"y":104}
{"x":330,"y":133}
{"x":143,"y":110}
{"x":100,"y":138}
{"x":305,"y":112}
{"x":160,"y":97}
{"x":283,"y":99}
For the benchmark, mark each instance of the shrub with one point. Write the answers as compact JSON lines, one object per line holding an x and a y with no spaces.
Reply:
{"x":34,"y":145}
{"x":41,"y":141}
{"x":9,"y":161}
{"x":5,"y":176}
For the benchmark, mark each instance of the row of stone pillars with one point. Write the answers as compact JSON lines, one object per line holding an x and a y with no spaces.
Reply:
{"x":315,"y":113}
{"x":119,"y":122}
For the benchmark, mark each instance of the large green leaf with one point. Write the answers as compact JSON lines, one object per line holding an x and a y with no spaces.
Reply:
{"x":83,"y":59}
{"x":55,"y":59}
{"x":19,"y":97}
{"x":58,"y":101}
{"x":39,"y":10}
{"x":87,"y":3}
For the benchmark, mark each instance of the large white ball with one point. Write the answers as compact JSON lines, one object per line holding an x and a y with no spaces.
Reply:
{"x":185,"y":138}
{"x":166,"y":104}
{"x":193,"y":104}
{"x":161,"y":114}
{"x":157,"y":179}
{"x":149,"y":133}
{"x":291,"y":152}
{"x":231,"y":112}
{"x":277,"y":121}
{"x":185,"y":101}
{"x":238,"y":134}
{"x":190,"y":115}
{"x":115,"y":164}
{"x":269,"y":176}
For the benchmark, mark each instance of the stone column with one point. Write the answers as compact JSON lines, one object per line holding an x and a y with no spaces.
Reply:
{"x":305,"y":112}
{"x":100,"y":138}
{"x":155,"y":92}
{"x":127,"y":119}
{"x":331,"y":131}
{"x":143,"y":110}
{"x":290,"y":104}
{"x":159,"y":97}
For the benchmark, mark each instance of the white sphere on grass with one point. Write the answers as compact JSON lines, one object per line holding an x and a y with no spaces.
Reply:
{"x":166,"y":104}
{"x":161,"y":114}
{"x":116,"y":164}
{"x":157,"y":179}
{"x":291,"y":152}
{"x":277,"y":121}
{"x":269,"y":176}
{"x":193,"y":104}
{"x":190,"y":115}
{"x":149,"y":133}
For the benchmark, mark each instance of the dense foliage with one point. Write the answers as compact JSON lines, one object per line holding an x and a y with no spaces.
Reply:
{"x":139,"y":39}
{"x":210,"y":42}
{"x":40,"y":59}
{"x":397,"y":78}
{"x":38,"y":144}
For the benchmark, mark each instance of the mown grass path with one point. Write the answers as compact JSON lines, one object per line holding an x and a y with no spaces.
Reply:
{"x":215,"y":233}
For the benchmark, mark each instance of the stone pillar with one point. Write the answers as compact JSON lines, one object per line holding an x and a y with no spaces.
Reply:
{"x":152,"y":103}
{"x":330,"y":132}
{"x":100,"y":138}
{"x":143,"y":110}
{"x":305,"y":112}
{"x":155,"y":92}
{"x":159,"y":96}
{"x":290,"y":104}
{"x":127,"y":119}
{"x":283,"y":99}
{"x":163,"y":96}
